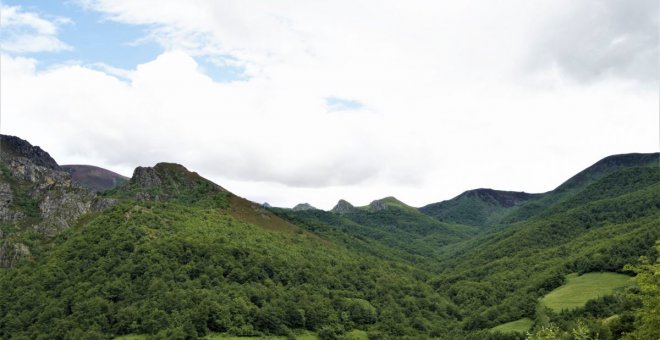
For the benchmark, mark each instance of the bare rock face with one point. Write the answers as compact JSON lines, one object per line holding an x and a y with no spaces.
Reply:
{"x":146,"y":177}
{"x":377,"y":205}
{"x":12,"y":252}
{"x":7,"y":215}
{"x":343,"y":207}
{"x":36,"y":195}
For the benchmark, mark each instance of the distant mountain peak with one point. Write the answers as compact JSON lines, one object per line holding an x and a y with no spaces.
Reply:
{"x":303,"y":207}
{"x":93,"y":177}
{"x":343,"y":207}
{"x":385,"y":203}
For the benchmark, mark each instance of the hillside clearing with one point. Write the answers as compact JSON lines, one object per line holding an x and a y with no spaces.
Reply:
{"x":521,"y":326}
{"x":580,"y":289}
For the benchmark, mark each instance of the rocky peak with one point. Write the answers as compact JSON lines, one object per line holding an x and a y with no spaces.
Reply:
{"x":377,"y":205}
{"x":167,"y":181}
{"x":343,"y":207}
{"x":36,"y":195}
{"x":303,"y":207}
{"x":12,"y":147}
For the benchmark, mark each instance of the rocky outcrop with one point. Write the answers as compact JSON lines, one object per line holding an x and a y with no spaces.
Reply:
{"x":36,"y":195}
{"x":377,"y":205}
{"x":303,"y":207}
{"x":14,"y":147}
{"x":12,"y":252}
{"x":343,"y":207}
{"x":169,"y":181}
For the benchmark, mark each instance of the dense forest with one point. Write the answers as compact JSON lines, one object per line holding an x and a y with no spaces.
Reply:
{"x":171,"y":255}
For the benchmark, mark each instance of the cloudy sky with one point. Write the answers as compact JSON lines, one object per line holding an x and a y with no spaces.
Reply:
{"x":313,"y":101}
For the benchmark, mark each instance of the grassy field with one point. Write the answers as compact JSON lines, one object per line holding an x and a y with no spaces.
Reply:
{"x":357,"y":335}
{"x":522,"y":326}
{"x":580,"y":289}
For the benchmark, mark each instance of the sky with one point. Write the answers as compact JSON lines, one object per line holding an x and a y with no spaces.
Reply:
{"x":314,"y":101}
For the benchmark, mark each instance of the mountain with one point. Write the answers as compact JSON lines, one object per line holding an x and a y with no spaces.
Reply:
{"x":343,"y":207}
{"x":170,"y":254}
{"x":479,"y":207}
{"x":94,"y":178}
{"x":488,"y":207}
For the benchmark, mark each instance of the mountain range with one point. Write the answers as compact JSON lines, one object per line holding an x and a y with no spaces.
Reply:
{"x":87,"y":253}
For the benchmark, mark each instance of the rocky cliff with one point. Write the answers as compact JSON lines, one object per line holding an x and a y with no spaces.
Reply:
{"x":37,"y":198}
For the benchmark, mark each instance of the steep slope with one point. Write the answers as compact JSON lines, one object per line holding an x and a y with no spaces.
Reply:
{"x":479,"y":207}
{"x":94,"y":178}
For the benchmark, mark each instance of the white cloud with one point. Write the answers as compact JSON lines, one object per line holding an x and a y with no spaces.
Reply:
{"x":448,"y":101}
{"x":28,"y":32}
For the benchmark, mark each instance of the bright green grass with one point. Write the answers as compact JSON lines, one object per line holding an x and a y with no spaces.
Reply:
{"x":522,"y":326}
{"x":357,"y":334}
{"x":580,"y":289}
{"x":131,"y":337}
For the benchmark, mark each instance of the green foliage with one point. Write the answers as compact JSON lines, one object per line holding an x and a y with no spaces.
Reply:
{"x":648,"y":282}
{"x":175,"y":270}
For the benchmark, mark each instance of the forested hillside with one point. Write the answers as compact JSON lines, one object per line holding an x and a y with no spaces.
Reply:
{"x":172,"y":255}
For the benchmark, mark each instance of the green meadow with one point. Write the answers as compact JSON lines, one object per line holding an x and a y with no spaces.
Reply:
{"x":580,"y":289}
{"x":521,"y":326}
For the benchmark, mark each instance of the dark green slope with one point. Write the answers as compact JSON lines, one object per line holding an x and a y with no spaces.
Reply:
{"x":175,"y":258}
{"x":583,"y":179}
{"x":499,"y":275}
{"x":479,"y":207}
{"x":488,"y":207}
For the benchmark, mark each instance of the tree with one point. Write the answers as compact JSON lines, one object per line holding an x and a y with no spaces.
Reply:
{"x":647,"y":321}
